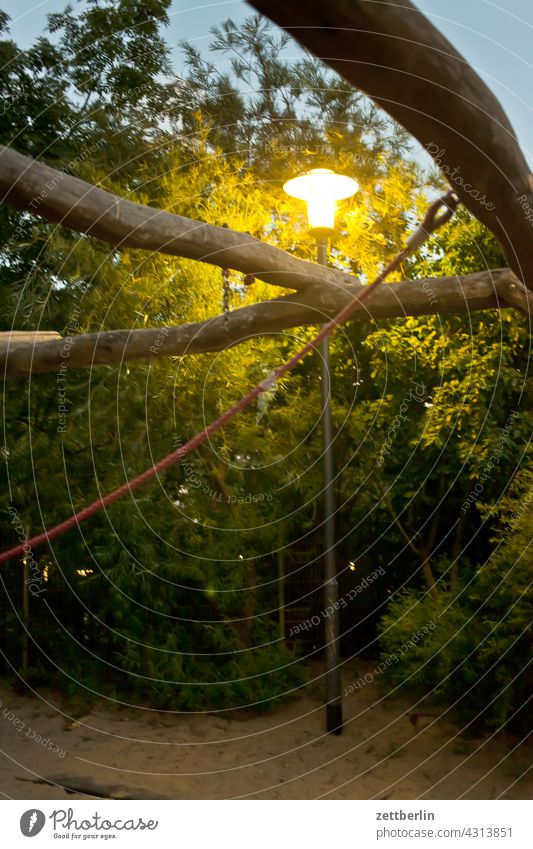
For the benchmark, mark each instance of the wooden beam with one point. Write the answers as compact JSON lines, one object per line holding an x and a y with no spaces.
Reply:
{"x":447,"y":295}
{"x":389,"y":50}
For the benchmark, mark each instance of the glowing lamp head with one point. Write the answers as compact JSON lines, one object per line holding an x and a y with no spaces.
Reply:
{"x":321,"y":188}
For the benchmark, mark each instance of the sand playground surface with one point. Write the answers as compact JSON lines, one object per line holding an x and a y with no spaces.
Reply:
{"x":389,"y":749}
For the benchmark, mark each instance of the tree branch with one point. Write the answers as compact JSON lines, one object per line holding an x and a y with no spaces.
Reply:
{"x":446,"y":295}
{"x":56,"y":196}
{"x":394,"y":54}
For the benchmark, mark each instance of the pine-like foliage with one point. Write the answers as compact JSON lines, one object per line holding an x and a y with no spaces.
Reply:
{"x":171,"y":597}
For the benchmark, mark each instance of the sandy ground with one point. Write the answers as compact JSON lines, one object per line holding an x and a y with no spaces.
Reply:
{"x":389,"y":750}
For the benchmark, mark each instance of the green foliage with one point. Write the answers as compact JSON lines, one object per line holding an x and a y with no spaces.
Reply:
{"x":479,"y":657}
{"x":171,"y":595}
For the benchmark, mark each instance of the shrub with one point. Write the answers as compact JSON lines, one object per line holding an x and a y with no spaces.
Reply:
{"x":478,"y":657}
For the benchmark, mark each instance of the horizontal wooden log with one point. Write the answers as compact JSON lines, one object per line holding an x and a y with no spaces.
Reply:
{"x":447,"y":295}
{"x":10,"y":338}
{"x":56,"y":196}
{"x":393,"y":53}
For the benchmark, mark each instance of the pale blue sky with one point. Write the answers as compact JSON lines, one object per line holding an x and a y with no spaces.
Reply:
{"x":496,"y":39}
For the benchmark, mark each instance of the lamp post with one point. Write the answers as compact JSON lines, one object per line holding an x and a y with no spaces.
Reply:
{"x":322,"y":188}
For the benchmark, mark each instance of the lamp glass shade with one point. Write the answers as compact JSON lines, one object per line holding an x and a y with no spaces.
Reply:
{"x":321,"y":188}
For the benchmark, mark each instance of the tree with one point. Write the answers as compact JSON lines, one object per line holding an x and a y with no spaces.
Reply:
{"x":134,"y":568}
{"x":478,"y":657}
{"x":196,"y":580}
{"x":445,"y":139}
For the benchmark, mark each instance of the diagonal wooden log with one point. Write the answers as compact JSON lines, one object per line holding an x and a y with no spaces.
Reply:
{"x":56,"y":196}
{"x":446,"y":295}
{"x":392,"y":52}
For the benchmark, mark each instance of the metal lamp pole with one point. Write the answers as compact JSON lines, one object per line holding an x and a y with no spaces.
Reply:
{"x":322,"y":188}
{"x":331,"y":584}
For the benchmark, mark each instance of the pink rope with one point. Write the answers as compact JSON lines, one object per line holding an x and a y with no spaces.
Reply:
{"x":326,"y":330}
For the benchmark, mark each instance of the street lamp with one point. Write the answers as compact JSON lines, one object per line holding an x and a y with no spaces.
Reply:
{"x":322,"y":188}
